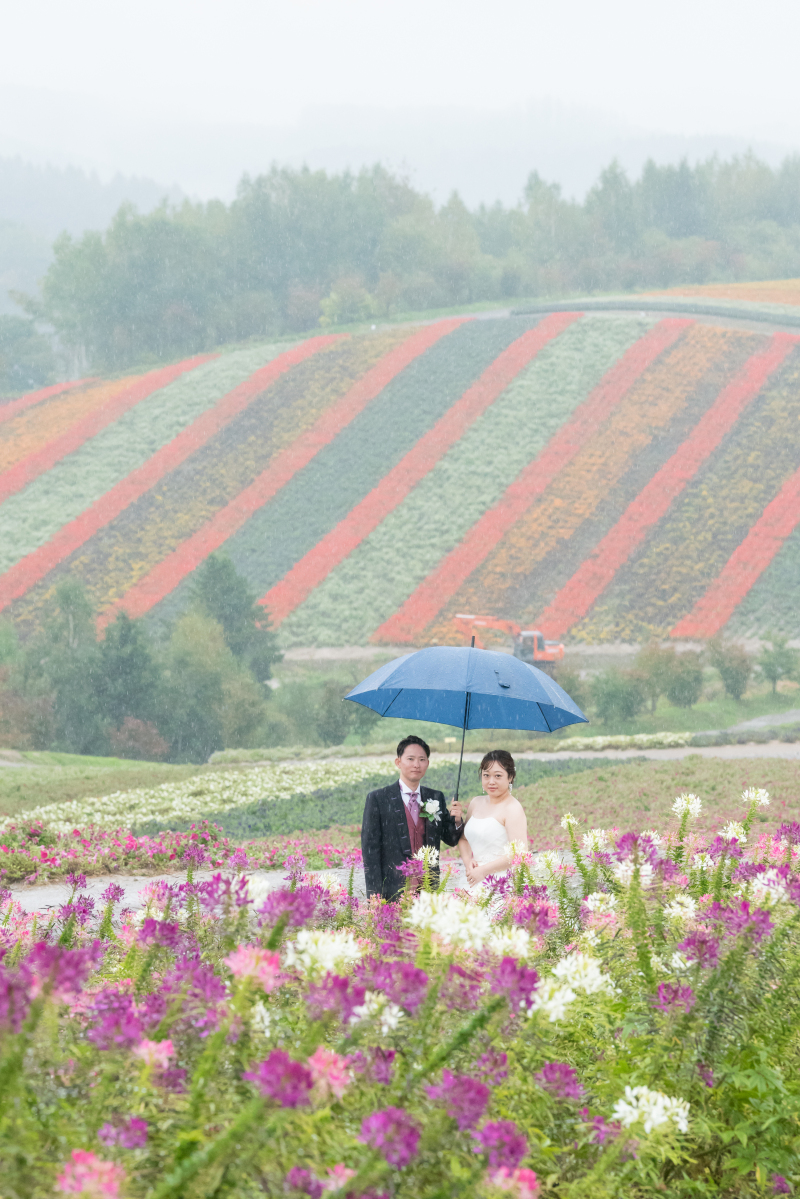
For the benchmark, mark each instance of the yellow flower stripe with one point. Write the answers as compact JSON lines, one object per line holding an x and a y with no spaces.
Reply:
{"x":29,"y":431}
{"x":575,"y":494}
{"x":777,"y":291}
{"x":124,"y":551}
{"x":695,"y":540}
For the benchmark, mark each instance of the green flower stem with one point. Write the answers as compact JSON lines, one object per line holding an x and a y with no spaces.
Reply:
{"x":208,"y":1058}
{"x":274,"y":939}
{"x":459,"y":1038}
{"x":637,"y":922}
{"x":677,"y":854}
{"x":176,"y":1181}
{"x":579,"y":862}
{"x":748,"y":820}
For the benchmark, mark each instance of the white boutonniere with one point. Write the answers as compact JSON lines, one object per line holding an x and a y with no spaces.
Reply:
{"x":431,"y":810}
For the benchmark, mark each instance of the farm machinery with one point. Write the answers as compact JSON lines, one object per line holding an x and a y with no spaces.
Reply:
{"x":529,"y":644}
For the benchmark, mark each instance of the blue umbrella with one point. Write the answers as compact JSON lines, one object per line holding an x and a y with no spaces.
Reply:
{"x":469,"y":688}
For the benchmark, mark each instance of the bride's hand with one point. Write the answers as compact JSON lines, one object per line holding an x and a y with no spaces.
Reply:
{"x":474,"y":873}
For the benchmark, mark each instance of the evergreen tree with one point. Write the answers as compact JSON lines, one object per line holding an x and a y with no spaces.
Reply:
{"x":226,"y":597}
{"x":66,"y":661}
{"x":130,"y":678}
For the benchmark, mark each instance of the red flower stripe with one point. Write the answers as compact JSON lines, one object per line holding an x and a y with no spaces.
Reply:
{"x":30,"y":569}
{"x":433,"y":593}
{"x":166,"y":576}
{"x":317,"y":564}
{"x":596,"y":572}
{"x":14,"y":407}
{"x":24,"y":472}
{"x":747,"y":562}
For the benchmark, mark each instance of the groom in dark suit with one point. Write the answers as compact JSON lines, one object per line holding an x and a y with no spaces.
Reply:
{"x":400,"y":819}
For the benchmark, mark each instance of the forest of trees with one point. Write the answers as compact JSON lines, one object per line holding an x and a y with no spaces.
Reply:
{"x":298,"y":248}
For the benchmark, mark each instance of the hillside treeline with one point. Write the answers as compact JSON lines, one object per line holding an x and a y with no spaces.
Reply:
{"x":300,"y":247}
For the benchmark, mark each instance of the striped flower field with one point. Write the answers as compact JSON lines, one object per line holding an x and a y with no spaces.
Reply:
{"x":599,"y":476}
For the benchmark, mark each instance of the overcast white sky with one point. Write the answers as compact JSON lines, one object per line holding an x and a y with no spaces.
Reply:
{"x":691,"y":67}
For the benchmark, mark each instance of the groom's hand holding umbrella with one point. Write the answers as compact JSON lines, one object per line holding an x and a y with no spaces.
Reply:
{"x":457,"y":812}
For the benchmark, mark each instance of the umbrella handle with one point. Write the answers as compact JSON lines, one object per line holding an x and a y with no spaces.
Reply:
{"x":463,"y":735}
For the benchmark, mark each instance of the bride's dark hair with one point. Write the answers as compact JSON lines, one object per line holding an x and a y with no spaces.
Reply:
{"x":504,"y":759}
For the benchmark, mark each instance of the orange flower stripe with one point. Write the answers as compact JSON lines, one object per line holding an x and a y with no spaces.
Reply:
{"x":34,"y":428}
{"x":778,"y":291}
{"x":576,"y":492}
{"x":12,"y":408}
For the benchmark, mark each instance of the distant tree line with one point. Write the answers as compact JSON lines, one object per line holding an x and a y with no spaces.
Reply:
{"x":297,"y":248}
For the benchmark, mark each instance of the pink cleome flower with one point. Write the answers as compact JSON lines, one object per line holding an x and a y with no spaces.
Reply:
{"x":523,"y":1184}
{"x":338,"y":1175}
{"x":87,"y":1174}
{"x":251,"y":961}
{"x":154,"y":1053}
{"x":329,"y":1071}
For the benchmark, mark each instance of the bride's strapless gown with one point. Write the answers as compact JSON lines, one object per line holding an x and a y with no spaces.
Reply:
{"x":488,"y":840}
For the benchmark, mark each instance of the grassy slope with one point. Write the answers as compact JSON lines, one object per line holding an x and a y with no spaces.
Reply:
{"x":54,"y":778}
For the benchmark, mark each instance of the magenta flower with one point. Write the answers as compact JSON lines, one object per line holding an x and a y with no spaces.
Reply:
{"x":113,"y":893}
{"x":492,"y":1066}
{"x":601,"y":1131}
{"x":87,"y":1175}
{"x":673,"y":995}
{"x":334,"y":994}
{"x":460,"y":988}
{"x":523,"y":1184}
{"x":379,"y":1065}
{"x":465,"y":1098}
{"x":64,"y":971}
{"x":515,"y":981}
{"x":393,"y":1133}
{"x":76,"y":880}
{"x":560,"y":1080}
{"x":288,"y":1083}
{"x":330,"y":1072}
{"x":701,"y":948}
{"x":297,"y":906}
{"x":304,"y":1181}
{"x":154,"y":1053}
{"x":194,"y":854}
{"x":738,"y":920}
{"x":160,"y":932}
{"x":131,"y":1135}
{"x":706,"y":1073}
{"x":789,"y":832}
{"x":780,"y":1186}
{"x":82,"y":909}
{"x":402,"y":982}
{"x":503,"y":1142}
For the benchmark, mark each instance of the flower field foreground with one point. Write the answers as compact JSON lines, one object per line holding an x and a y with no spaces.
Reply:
{"x":624,"y":1026}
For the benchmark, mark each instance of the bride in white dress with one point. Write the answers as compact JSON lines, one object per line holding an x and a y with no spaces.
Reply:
{"x":494,"y":820}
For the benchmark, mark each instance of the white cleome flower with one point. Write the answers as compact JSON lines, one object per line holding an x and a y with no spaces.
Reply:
{"x":653,"y":1108}
{"x":624,"y":871}
{"x":654,"y":836}
{"x":510,"y":942}
{"x":734,"y":831}
{"x":582,"y":972}
{"x":687,"y":805}
{"x":595,"y":841}
{"x":377,"y":1006}
{"x":456,"y":922}
{"x":315,"y":949}
{"x":550,"y":860}
{"x":681,"y":909}
{"x":756,"y":795}
{"x":601,"y":901}
{"x":552,"y":998}
{"x":568,"y":819}
{"x":428,"y":854}
{"x":703,"y":861}
{"x":678,"y":961}
{"x":260,"y":1019}
{"x":768,"y":888}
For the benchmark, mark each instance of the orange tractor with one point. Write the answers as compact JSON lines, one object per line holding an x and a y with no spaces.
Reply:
{"x":529,"y":644}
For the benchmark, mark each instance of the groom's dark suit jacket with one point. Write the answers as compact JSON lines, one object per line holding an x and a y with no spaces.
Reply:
{"x":385,"y":842}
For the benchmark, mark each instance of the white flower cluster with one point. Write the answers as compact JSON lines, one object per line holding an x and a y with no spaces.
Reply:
{"x":377,"y":1006}
{"x":200,"y":795}
{"x":568,"y":819}
{"x":595,"y":841}
{"x":456,"y":922}
{"x":575,"y":972}
{"x":687,"y":805}
{"x":654,"y":836}
{"x":428,"y":854}
{"x":681,"y":909}
{"x":550,"y":859}
{"x":756,"y":795}
{"x":653,"y":1108}
{"x":768,"y":888}
{"x":624,"y":871}
{"x":519,"y":851}
{"x":734,"y":831}
{"x":602,"y":902}
{"x":703,"y":861}
{"x":316,"y":949}
{"x":260,"y":1018}
{"x":622,"y":741}
{"x":514,"y":942}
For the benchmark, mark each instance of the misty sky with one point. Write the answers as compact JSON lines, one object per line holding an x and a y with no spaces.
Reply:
{"x":75,"y":72}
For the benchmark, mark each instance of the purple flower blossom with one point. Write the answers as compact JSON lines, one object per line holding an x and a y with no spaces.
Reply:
{"x":393,"y":1133}
{"x":76,"y":880}
{"x":701,"y":948}
{"x":780,"y":1186}
{"x":220,"y":892}
{"x":113,"y":893}
{"x":194,"y":854}
{"x":171,"y":1078}
{"x":304,"y":1181}
{"x":720,"y":846}
{"x":160,"y":932}
{"x":706,"y":1073}
{"x":493,"y":1066}
{"x":131,"y":1135}
{"x":378,"y":1066}
{"x":202,"y":990}
{"x":465,"y":1098}
{"x":288,"y":1083}
{"x":115,"y":1020}
{"x":297,"y":906}
{"x":738,"y":920}
{"x":412,"y":868}
{"x":601,"y":1131}
{"x":460,"y":988}
{"x":560,"y":1080}
{"x":673,"y":995}
{"x":789,"y":832}
{"x":14,"y":999}
{"x":63,"y":970}
{"x":629,"y":844}
{"x":238,"y":860}
{"x":538,"y":917}
{"x":334,"y":994}
{"x":515,"y":981}
{"x":82,"y":909}
{"x":503,"y":1142}
{"x":402,"y":982}
{"x":387,"y":919}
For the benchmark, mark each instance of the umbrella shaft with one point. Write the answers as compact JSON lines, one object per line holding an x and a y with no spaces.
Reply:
{"x":463,"y":735}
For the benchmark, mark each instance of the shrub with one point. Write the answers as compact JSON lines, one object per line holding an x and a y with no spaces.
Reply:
{"x":685,"y":680}
{"x":778,"y":660}
{"x":618,"y":695}
{"x":655,"y":664}
{"x":138,"y":739}
{"x":733,"y":665}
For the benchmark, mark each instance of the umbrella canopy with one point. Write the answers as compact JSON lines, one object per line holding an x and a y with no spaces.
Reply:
{"x":468,"y":688}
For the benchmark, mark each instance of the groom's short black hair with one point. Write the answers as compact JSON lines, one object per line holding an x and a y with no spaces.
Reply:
{"x":404,"y":744}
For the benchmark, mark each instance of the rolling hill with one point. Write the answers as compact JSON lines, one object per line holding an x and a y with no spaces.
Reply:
{"x":604,"y":476}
